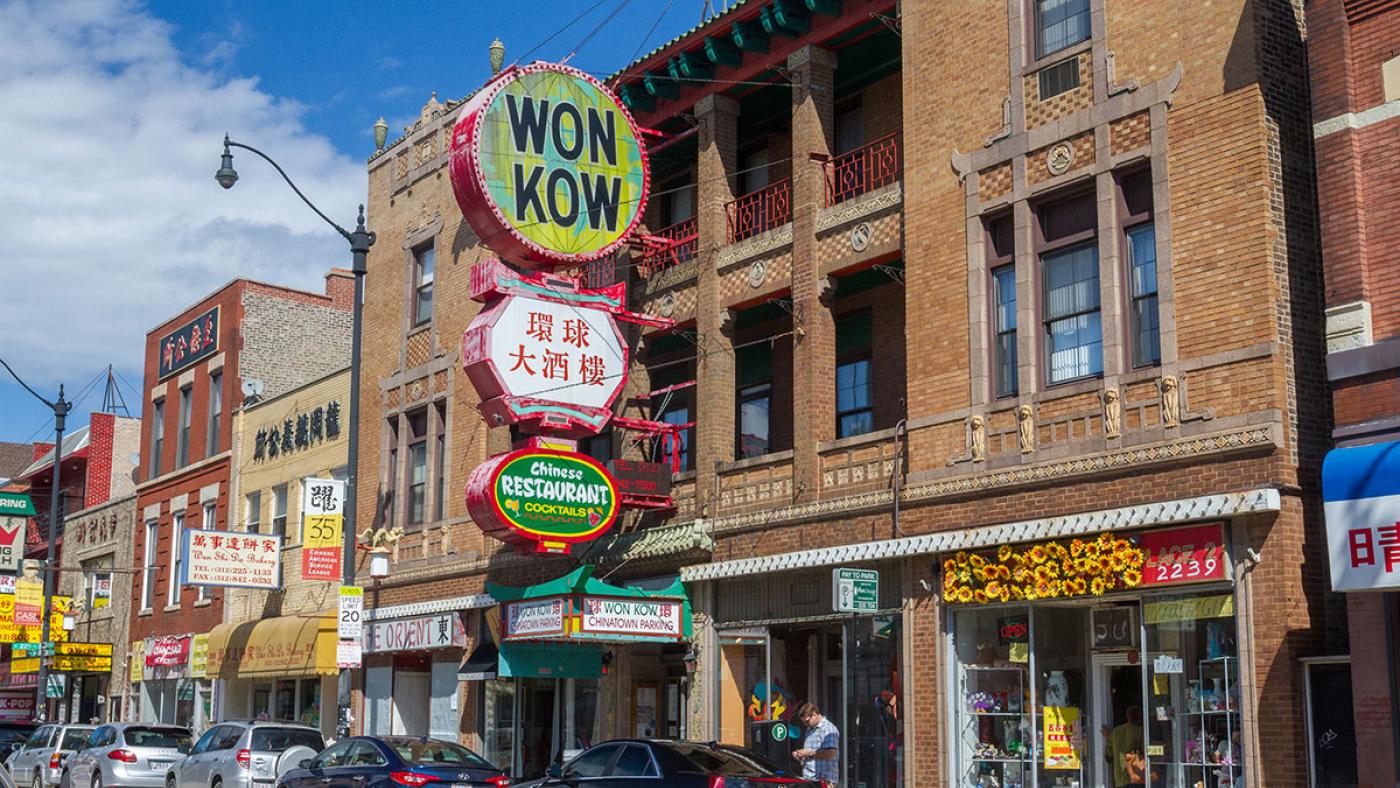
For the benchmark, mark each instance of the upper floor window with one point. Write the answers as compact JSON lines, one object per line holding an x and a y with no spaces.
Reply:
{"x":850,"y":128}
{"x":252,"y":512}
{"x":157,"y":435}
{"x":418,"y":467}
{"x":182,"y":436}
{"x":1140,"y":254}
{"x":177,"y":555}
{"x":1069,"y":271}
{"x":1060,"y":24}
{"x":150,"y":565}
{"x":279,"y":510}
{"x":754,"y":374}
{"x":855,"y":414}
{"x":216,"y":406}
{"x":440,"y":462}
{"x":1001,"y":262}
{"x":754,"y":175}
{"x":424,"y":261}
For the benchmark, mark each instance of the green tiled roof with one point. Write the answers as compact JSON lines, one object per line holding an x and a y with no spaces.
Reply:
{"x":659,"y":542}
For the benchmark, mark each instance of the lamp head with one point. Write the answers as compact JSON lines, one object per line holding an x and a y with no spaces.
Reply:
{"x":227,"y":176}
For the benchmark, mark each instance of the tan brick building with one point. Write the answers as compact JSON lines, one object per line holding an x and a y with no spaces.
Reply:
{"x":1041,"y":274}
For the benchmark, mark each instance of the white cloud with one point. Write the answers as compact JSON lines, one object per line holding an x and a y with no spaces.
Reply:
{"x":110,"y":217}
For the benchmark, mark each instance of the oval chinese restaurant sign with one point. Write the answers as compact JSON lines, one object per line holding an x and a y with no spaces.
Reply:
{"x":548,"y":167}
{"x":541,"y":500}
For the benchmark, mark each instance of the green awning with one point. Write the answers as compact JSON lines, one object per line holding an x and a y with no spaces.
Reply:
{"x":580,"y":581}
{"x":580,"y":607}
{"x":550,"y":661}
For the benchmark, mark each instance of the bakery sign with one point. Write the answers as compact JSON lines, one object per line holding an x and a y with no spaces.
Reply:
{"x":190,"y":343}
{"x":541,"y":500}
{"x":223,"y":558}
{"x":548,"y":166}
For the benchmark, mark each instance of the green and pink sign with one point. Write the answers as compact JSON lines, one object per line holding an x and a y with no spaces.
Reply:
{"x":541,"y":500}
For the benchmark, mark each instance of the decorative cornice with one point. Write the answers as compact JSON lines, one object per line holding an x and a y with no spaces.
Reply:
{"x":671,"y":277}
{"x":757,"y":245}
{"x":865,"y":206}
{"x":1161,"y":513}
{"x":1235,"y":440}
{"x":472,"y":602}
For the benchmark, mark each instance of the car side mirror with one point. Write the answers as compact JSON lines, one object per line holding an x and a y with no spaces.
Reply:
{"x":304,"y":763}
{"x":554,"y":772}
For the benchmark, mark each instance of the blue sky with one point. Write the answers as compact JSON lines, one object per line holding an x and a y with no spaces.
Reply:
{"x":115,"y":110}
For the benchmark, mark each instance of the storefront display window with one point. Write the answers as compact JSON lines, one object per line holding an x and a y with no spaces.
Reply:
{"x":993,"y":696}
{"x":286,"y":708}
{"x":1194,"y":699}
{"x":498,"y":698}
{"x":875,"y":721}
{"x":309,"y":704}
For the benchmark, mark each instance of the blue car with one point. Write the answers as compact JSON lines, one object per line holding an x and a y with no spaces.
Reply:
{"x":395,"y":762}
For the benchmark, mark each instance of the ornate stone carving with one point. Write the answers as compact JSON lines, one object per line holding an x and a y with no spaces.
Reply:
{"x":758,"y":273}
{"x":759,"y":244}
{"x":861,"y":207}
{"x":446,"y":542}
{"x":1059,"y":158}
{"x":1112,"y":413}
{"x":1025,"y":422}
{"x":1171,"y":401}
{"x":860,"y":237}
{"x":977,"y":446}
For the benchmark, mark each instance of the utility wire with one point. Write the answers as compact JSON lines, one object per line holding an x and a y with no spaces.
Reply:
{"x":556,"y":33}
{"x":20,"y":380}
{"x":650,"y":32}
{"x":596,"y":30}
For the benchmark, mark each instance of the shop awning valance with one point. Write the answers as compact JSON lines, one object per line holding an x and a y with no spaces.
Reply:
{"x":481,"y":665}
{"x":283,"y":647}
{"x":580,"y":607}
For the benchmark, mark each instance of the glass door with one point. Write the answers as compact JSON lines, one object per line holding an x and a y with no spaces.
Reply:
{"x":539,"y":731}
{"x":745,"y":685}
{"x":1117,"y":698}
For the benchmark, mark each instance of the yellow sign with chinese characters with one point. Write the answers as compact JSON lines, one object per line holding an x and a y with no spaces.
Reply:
{"x":136,"y":660}
{"x":1061,"y":737}
{"x":323,"y":530}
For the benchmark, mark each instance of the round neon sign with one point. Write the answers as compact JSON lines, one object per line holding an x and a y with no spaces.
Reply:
{"x":542,"y":500}
{"x":548,"y":167}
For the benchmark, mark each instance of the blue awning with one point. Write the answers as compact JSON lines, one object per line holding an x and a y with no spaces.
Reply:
{"x":1361,"y":499}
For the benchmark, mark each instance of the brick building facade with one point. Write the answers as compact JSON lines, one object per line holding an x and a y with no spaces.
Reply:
{"x":1354,"y":64}
{"x":1060,"y":281}
{"x":275,"y":335}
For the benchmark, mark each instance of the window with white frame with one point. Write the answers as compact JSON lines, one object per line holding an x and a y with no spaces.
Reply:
{"x":279,"y":510}
{"x":149,"y":567}
{"x":252,"y":512}
{"x":424,"y":263}
{"x":1069,"y":275}
{"x":177,"y":528}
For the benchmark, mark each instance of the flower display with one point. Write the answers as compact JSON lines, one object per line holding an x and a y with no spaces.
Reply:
{"x":1044,"y":570}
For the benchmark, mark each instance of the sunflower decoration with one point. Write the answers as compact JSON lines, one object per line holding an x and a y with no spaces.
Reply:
{"x":1045,"y":570}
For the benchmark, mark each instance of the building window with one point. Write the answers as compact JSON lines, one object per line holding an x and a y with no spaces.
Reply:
{"x":440,"y":463}
{"x":252,"y":512}
{"x":279,"y":510}
{"x":209,"y":523}
{"x":854,"y":413}
{"x":1140,"y":242}
{"x":1004,"y":323}
{"x":390,"y":504}
{"x":97,"y":584}
{"x":1001,"y":262}
{"x":182,"y":437}
{"x":1073,"y":329}
{"x":1059,"y":78}
{"x":149,"y":566}
{"x":1069,"y":271}
{"x":1060,"y":24}
{"x":216,"y":406}
{"x":177,"y":556}
{"x":417,"y":467}
{"x":157,"y":435}
{"x":754,"y":376}
{"x":424,"y":261}
{"x":677,"y":414}
{"x":340,"y":473}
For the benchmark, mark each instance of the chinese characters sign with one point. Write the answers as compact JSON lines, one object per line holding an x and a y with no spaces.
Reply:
{"x":542,"y":500}
{"x":1361,"y":501}
{"x":633,"y":617}
{"x":222,"y":558}
{"x":29,"y":596}
{"x":533,"y":359}
{"x":413,"y":634}
{"x":322,"y":528}
{"x":297,"y":432}
{"x":1061,"y":737}
{"x":548,"y":166}
{"x":534,"y":618}
{"x":1191,"y":554}
{"x":167,"y":652}
{"x":188,"y":344}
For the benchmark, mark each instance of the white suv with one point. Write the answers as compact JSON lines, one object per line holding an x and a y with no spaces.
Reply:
{"x":245,"y":754}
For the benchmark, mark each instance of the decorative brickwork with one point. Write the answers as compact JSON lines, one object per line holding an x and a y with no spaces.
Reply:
{"x":1039,"y":113}
{"x":1130,"y":134}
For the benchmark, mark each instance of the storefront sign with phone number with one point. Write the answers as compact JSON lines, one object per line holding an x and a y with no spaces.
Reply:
{"x":1190,"y":554}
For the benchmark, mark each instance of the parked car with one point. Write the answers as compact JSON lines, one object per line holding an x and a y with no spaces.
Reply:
{"x":39,"y":761}
{"x":13,"y":733}
{"x":126,"y":754}
{"x":243,"y":754}
{"x":633,"y":763}
{"x":395,"y":762}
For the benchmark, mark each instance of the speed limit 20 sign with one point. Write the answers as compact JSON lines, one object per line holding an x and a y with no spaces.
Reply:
{"x":351,"y":621}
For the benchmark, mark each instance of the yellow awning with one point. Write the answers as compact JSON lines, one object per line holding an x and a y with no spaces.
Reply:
{"x":284,"y":647}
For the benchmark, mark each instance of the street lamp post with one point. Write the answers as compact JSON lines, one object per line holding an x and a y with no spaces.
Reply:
{"x":360,"y":240}
{"x":60,"y":416}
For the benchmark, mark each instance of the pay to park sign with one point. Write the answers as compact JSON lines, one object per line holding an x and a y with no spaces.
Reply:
{"x":541,"y":500}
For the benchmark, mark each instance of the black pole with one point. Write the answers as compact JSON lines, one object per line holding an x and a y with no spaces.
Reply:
{"x":60,"y":413}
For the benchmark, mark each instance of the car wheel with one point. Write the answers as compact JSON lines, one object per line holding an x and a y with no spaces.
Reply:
{"x":97,"y":781}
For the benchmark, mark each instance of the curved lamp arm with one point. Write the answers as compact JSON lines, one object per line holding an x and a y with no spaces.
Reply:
{"x":228,"y":143}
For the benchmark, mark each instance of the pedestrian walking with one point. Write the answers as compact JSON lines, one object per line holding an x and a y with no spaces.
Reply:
{"x":821,"y":747}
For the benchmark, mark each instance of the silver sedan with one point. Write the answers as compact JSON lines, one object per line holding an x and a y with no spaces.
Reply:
{"x":126,"y":754}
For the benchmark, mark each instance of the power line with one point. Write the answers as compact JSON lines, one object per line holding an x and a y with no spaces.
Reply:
{"x":648,"y":36}
{"x":556,"y":33}
{"x":596,"y":30}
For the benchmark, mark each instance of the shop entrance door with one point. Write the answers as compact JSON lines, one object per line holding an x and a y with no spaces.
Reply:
{"x":411,"y":700}
{"x":538,"y":733}
{"x":1116,"y":726}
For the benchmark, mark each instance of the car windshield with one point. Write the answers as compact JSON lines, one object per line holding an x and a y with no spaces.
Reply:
{"x":279,"y":739}
{"x":8,"y":735}
{"x":427,"y":752}
{"x":73,"y":738}
{"x":173,"y":738}
{"x":726,"y":761}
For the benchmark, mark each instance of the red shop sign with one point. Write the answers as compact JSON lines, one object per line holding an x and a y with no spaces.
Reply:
{"x":168,"y":651}
{"x":1190,"y":554}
